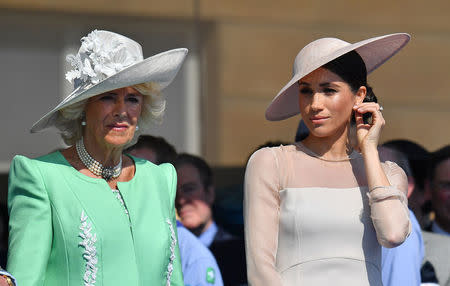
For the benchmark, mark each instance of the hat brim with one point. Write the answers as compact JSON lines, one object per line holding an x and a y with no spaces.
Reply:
{"x":160,"y":69}
{"x":374,"y":52}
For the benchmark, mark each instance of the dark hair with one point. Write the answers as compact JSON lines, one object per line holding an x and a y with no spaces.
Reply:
{"x":397,"y":157}
{"x":438,"y":157}
{"x":302,"y":131}
{"x":272,"y":144}
{"x":205,"y":172}
{"x":352,"y":69}
{"x":165,"y":153}
{"x":418,"y":158}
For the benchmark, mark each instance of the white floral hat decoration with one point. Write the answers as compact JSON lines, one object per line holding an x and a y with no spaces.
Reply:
{"x":108,"y":61}
{"x":374,"y":52}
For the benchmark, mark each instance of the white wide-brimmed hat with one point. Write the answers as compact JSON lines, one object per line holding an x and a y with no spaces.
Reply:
{"x":107,"y":61}
{"x":374,"y":52}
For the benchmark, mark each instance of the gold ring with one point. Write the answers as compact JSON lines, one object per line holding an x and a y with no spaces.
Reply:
{"x":8,"y":280}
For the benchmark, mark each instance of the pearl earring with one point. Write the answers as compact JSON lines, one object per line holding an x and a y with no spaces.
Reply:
{"x":83,"y":119}
{"x":137,"y":128}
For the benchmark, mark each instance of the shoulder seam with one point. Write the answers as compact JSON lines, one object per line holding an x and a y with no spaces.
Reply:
{"x":277,"y":165}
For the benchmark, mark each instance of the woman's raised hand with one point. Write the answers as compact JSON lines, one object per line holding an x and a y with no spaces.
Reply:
{"x":368,"y":134}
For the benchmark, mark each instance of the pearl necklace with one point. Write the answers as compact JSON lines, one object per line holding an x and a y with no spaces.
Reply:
{"x":96,"y":167}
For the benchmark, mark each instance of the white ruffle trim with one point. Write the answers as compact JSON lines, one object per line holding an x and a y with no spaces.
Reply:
{"x":120,"y":199}
{"x":90,"y":252}
{"x":173,"y":244}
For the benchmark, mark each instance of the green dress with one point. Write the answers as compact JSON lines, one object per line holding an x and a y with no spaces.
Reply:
{"x":70,"y":229}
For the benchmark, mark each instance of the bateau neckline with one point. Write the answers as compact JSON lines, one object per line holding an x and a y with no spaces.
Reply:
{"x":97,"y":180}
{"x":353,"y":155}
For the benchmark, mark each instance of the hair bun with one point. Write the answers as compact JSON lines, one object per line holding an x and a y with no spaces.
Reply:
{"x":370,"y":95}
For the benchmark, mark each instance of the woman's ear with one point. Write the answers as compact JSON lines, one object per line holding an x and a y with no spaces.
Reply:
{"x":360,"y":94}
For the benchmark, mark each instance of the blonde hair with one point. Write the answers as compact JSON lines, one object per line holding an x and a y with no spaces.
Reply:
{"x":153,"y":108}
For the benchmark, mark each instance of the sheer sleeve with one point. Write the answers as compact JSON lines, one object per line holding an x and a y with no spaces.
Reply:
{"x":261,"y":217}
{"x":389,"y":207}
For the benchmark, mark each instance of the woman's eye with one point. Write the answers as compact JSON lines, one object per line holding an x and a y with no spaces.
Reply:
{"x":306,"y":91}
{"x":107,"y":97}
{"x":329,"y":90}
{"x":188,"y":188}
{"x":133,"y":99}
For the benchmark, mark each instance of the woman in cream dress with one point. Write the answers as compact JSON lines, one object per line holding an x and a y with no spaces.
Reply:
{"x":316,"y":212}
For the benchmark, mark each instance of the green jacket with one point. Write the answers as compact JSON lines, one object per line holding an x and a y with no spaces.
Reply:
{"x":69,"y":229}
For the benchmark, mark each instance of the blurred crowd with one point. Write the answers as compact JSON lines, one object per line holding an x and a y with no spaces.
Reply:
{"x":428,"y":246}
{"x":63,"y":223}
{"x":211,"y":227}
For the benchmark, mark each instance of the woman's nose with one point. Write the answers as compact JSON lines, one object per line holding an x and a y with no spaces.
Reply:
{"x":316,"y":101}
{"x":119,"y":106}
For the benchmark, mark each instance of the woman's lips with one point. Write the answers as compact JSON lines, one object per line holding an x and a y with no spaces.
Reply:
{"x":118,"y":127}
{"x":318,"y":119}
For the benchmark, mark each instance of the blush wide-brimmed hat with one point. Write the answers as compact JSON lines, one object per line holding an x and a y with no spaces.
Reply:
{"x":107,"y":61}
{"x":374,"y":52}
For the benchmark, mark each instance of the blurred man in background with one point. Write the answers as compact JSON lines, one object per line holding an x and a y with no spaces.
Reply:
{"x":154,"y":149}
{"x":401,"y":265}
{"x":418,"y":157}
{"x":198,"y":264}
{"x":437,"y":234}
{"x":195,"y":199}
{"x":438,"y":185}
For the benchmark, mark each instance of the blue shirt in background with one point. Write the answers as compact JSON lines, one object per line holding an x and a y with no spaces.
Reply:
{"x":207,"y":237}
{"x":197,"y":262}
{"x":401,"y":264}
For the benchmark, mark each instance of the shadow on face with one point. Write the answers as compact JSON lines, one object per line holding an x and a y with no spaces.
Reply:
{"x":440,"y":192}
{"x":326,"y":102}
{"x":193,"y":201}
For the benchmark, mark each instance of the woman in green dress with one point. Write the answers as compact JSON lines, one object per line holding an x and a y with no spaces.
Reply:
{"x":89,"y":214}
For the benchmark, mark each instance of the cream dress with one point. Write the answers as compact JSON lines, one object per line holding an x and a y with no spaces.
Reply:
{"x":313,"y":222}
